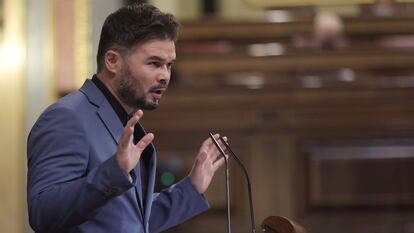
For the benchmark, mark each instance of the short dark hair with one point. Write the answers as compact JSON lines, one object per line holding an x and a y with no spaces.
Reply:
{"x":131,"y":24}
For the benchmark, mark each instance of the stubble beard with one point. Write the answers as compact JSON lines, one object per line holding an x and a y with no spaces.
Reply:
{"x":130,"y":92}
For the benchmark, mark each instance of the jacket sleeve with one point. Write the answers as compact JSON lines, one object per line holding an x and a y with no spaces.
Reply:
{"x":175,"y":205}
{"x":61,"y":192}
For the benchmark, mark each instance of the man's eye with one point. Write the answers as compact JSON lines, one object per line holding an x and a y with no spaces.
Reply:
{"x":156,"y":64}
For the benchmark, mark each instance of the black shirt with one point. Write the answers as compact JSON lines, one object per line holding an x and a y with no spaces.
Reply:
{"x":138,"y":131}
{"x":119,"y":110}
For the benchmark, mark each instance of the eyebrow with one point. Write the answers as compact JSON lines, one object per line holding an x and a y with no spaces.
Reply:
{"x":157,"y":58}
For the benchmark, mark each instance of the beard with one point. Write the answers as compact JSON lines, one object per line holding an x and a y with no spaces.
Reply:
{"x":131,"y":92}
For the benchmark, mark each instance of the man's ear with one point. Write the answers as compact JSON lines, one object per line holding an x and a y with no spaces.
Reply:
{"x":113,"y":61}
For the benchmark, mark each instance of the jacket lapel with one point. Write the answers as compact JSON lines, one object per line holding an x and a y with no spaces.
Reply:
{"x":114,"y":126}
{"x":146,"y":158}
{"x":149,"y":158}
{"x":110,"y":120}
{"x":137,"y":188}
{"x":104,"y":109}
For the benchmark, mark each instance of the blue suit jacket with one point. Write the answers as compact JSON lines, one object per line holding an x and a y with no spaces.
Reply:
{"x":74,"y":182}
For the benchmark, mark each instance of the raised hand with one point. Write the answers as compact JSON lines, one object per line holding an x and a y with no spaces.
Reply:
{"x":129,"y":154}
{"x":206,"y":164}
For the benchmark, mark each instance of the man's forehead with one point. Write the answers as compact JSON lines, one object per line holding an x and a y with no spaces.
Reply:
{"x":157,"y":49}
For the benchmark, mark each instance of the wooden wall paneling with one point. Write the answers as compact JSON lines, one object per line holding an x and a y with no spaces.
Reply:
{"x":271,"y":171}
{"x":239,"y":31}
{"x":285,"y":63}
{"x":361,"y":194}
{"x":241,"y":99}
{"x":345,"y":78}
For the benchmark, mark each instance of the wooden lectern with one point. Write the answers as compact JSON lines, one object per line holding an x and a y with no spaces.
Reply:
{"x":279,"y":224}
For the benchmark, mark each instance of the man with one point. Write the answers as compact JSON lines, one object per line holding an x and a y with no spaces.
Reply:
{"x":91,"y":166}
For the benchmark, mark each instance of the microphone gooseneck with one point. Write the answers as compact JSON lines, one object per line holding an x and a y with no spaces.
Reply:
{"x":249,"y":188}
{"x":227,"y":182}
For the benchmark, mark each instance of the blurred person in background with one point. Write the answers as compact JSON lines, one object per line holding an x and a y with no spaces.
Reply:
{"x":328,"y":30}
{"x":327,"y":33}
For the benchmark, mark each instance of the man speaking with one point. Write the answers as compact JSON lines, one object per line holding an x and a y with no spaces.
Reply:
{"x":91,"y":165}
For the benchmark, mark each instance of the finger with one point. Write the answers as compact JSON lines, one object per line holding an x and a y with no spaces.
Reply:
{"x":128,"y":132}
{"x":210,"y":145}
{"x":223,"y":145}
{"x":217,"y":164}
{"x":217,"y":158}
{"x":208,"y":142}
{"x":126,"y":138}
{"x":214,"y":152}
{"x":144,"y":142}
{"x":135,"y":118}
{"x":215,"y":155}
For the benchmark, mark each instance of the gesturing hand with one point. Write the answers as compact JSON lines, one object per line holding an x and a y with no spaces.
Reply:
{"x":129,"y":154}
{"x":205,"y":165}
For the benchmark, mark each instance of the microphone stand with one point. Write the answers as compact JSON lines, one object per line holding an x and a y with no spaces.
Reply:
{"x":227,"y":182}
{"x":249,"y":189}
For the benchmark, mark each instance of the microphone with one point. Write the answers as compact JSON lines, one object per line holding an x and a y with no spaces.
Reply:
{"x":249,"y":188}
{"x":227,"y":182}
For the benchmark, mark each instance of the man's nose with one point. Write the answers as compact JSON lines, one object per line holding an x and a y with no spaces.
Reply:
{"x":164,"y":76}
